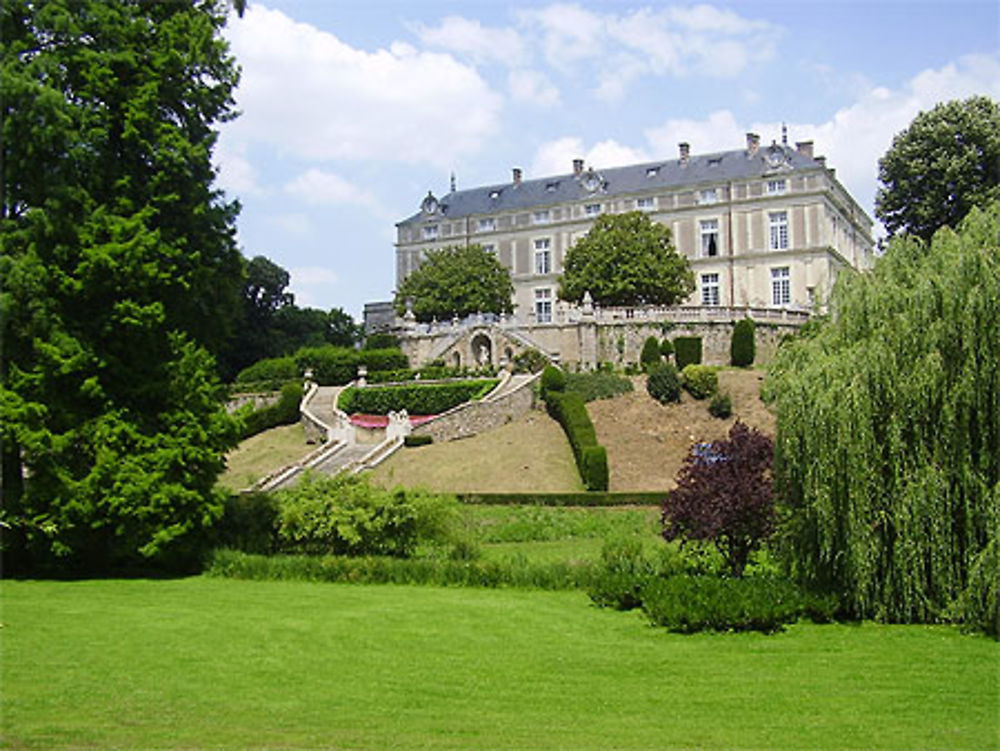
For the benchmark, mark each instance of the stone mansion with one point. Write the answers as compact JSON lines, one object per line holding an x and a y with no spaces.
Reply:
{"x":765,"y":228}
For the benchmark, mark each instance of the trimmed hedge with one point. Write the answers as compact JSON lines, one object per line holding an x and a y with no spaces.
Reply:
{"x":596,"y":498}
{"x":687,"y":351}
{"x":284,"y":412}
{"x":417,"y":440}
{"x":742,"y":348}
{"x":416,"y":398}
{"x":650,"y":353}
{"x":570,"y":411}
{"x":666,"y":348}
{"x":383,"y":359}
{"x":663,"y":383}
{"x":553,"y":379}
{"x":335,"y":366}
{"x":701,"y":381}
{"x":271,"y":370}
{"x":381,"y":341}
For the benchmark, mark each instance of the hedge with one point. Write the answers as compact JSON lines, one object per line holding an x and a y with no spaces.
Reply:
{"x":415,"y":398}
{"x":594,"y":498}
{"x":270,"y":370}
{"x":687,"y":351}
{"x":701,"y":381}
{"x":742,"y":348}
{"x":284,"y":412}
{"x":570,"y":411}
{"x":650,"y":353}
{"x":335,"y":366}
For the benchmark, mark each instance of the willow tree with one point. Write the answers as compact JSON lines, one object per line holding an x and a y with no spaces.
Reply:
{"x":888,"y":448}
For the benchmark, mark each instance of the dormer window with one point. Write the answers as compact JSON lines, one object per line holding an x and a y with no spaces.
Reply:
{"x":552,"y":187}
{"x":652,"y":171}
{"x":431,"y":232}
{"x":715,"y":161}
{"x":494,"y":195}
{"x":488,"y":224}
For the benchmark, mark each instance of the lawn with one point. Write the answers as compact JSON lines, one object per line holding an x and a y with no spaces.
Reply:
{"x":202,"y":664}
{"x":263,"y":453}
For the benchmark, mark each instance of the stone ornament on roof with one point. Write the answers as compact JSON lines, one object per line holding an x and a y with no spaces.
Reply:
{"x":430,"y":204}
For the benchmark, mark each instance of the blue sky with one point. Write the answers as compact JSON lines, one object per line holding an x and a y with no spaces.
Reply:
{"x":352,"y":111}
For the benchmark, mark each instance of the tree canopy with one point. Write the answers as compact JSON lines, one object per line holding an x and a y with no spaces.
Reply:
{"x":121,"y":275}
{"x":943,"y":164}
{"x":626,"y":260}
{"x":456,"y":281}
{"x":888,"y":449}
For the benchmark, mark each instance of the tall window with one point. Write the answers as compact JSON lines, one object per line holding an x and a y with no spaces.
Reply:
{"x":488,"y":224}
{"x":543,"y":305}
{"x":709,"y":237}
{"x":781,"y":290}
{"x":541,"y":217}
{"x":778,"y":223}
{"x":709,"y":289}
{"x":543,"y":256}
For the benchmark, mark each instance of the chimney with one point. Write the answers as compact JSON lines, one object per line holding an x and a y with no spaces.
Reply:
{"x":685,"y":152}
{"x":753,"y":144}
{"x":517,"y":175}
{"x":805,"y":148}
{"x":577,"y":167}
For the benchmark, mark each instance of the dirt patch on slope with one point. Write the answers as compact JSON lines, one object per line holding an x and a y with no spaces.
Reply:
{"x":647,"y":441}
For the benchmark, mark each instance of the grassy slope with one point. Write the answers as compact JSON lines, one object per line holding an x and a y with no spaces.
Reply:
{"x":263,"y":453}
{"x":198,"y":663}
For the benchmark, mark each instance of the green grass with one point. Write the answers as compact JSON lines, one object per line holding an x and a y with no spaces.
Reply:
{"x":263,"y":453}
{"x":205,"y":664}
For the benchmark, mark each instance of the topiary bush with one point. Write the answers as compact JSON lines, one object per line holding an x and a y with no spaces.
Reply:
{"x":687,"y":351}
{"x":413,"y":440}
{"x":666,"y":348}
{"x":742,"y":348}
{"x":721,"y":406}
{"x":569,"y":410}
{"x":663,"y":383}
{"x":650,"y":353}
{"x":553,"y":379}
{"x":701,"y":381}
{"x":594,"y":467}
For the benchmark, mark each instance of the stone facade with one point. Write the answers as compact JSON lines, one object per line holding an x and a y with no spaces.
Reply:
{"x":472,"y":418}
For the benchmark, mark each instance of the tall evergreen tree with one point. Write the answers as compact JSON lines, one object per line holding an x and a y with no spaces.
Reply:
{"x":120,"y":276}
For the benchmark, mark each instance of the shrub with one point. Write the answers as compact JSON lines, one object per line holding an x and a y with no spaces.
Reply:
{"x":650,"y":353}
{"x":721,"y":406}
{"x":249,"y":523}
{"x":663,"y":383}
{"x":687,"y":351}
{"x":619,"y":578}
{"x":383,"y":359}
{"x":569,"y":410}
{"x":553,"y":379}
{"x":273,"y":370}
{"x":724,"y":495}
{"x":701,"y":381}
{"x":415,"y":398}
{"x":381,"y":341}
{"x":417,"y":440}
{"x":345,"y":515}
{"x":707,"y":603}
{"x":742,"y":347}
{"x":594,"y":469}
{"x":331,"y":366}
{"x":666,"y":349}
{"x":529,"y":361}
{"x":597,"y":385}
{"x":284,"y":412}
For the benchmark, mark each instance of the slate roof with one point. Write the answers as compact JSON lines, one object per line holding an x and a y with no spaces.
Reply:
{"x":701,"y":169}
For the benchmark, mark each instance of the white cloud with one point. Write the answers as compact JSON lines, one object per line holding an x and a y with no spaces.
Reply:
{"x":556,"y":157}
{"x":470,"y":39}
{"x":310,"y":284}
{"x":292,"y":223}
{"x":236,"y":175}
{"x":532,"y":87}
{"x":306,"y":92}
{"x":318,"y":188}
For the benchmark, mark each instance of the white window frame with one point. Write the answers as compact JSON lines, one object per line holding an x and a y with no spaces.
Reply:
{"x":777,"y":230}
{"x":543,"y":255}
{"x":708,"y":195}
{"x":430,"y":232}
{"x":592,"y":209}
{"x":543,"y":305}
{"x":705,"y":232}
{"x":541,"y":217}
{"x":777,"y":187}
{"x":781,"y":286}
{"x":646,"y":203}
{"x":710,"y":289}
{"x":487,"y":224}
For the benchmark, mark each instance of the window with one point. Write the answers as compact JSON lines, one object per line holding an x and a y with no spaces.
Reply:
{"x":431,"y":232}
{"x":592,"y":209}
{"x":646,"y":204}
{"x":541,"y":217}
{"x":490,"y":248}
{"x":543,"y":305}
{"x":709,"y":289}
{"x":652,"y":171}
{"x":709,"y":195}
{"x":552,"y":187}
{"x":781,"y":292}
{"x":777,"y":187}
{"x":709,"y":238}
{"x":488,"y":224}
{"x":494,"y":195}
{"x":778,"y":223}
{"x":543,"y":256}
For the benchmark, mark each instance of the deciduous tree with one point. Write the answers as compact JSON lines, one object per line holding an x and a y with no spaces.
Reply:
{"x":457,"y":281}
{"x":628,"y":260}
{"x":943,"y":164}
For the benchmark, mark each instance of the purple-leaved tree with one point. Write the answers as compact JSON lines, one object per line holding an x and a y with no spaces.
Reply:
{"x":724,"y":495}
